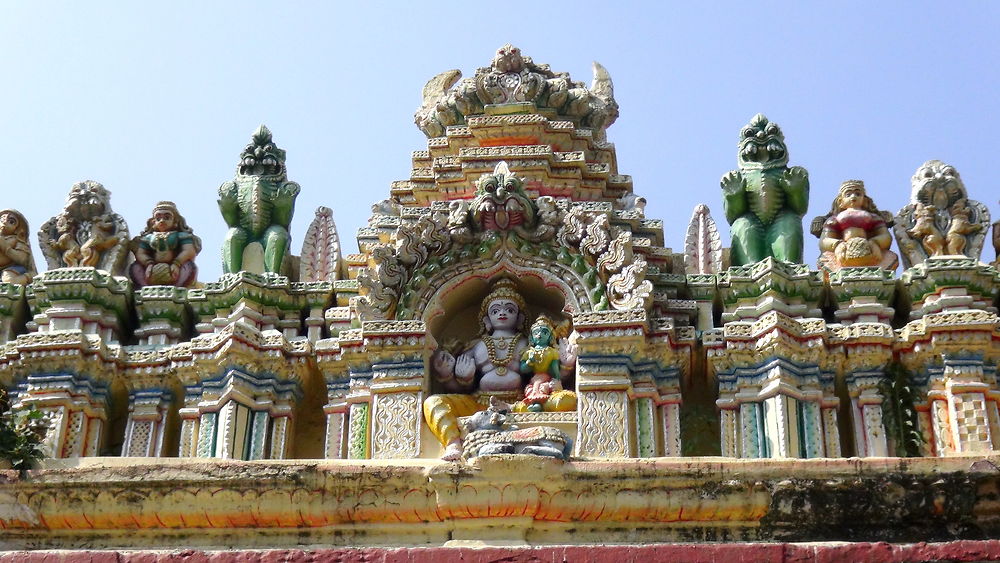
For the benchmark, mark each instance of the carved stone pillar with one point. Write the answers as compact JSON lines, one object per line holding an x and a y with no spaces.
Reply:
{"x":949,"y":348}
{"x":645,"y":426}
{"x":190,"y":430}
{"x":396,"y":350}
{"x":335,"y":443}
{"x":729,"y":429}
{"x":866,"y":413}
{"x":864,"y":340}
{"x":628,"y":383}
{"x":147,"y":422}
{"x":603,"y":385}
{"x":72,"y":356}
{"x":75,"y":407}
{"x":604,"y":429}
{"x":238,"y":414}
{"x":359,"y":402}
{"x":772,"y":360}
{"x":397,"y":396}
{"x":778,"y":409}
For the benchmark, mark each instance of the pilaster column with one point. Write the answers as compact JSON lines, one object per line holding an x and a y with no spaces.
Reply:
{"x":335,"y":444}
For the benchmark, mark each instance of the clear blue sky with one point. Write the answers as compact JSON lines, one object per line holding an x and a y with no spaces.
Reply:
{"x":156,"y":100}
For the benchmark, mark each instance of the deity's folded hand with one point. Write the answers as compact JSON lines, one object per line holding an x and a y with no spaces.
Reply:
{"x":444,"y":365}
{"x":465,"y":368}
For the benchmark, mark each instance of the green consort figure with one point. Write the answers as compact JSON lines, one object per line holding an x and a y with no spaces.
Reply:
{"x":765,"y":199}
{"x":258,"y":205}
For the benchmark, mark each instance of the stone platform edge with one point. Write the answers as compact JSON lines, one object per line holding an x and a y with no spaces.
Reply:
{"x":511,"y":501}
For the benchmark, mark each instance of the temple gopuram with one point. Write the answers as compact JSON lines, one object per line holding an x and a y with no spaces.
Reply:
{"x":513,"y":366}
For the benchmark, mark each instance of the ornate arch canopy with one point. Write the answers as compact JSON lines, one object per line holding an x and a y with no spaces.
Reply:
{"x":501,"y":228}
{"x":449,"y":305}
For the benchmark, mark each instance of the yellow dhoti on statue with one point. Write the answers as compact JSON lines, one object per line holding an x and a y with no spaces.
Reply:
{"x":443,"y":411}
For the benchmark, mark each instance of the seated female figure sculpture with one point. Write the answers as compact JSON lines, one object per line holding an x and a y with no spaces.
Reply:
{"x":16,"y":264}
{"x":854,"y":233}
{"x":489,"y":367}
{"x":165,"y":250}
{"x":542,"y":360}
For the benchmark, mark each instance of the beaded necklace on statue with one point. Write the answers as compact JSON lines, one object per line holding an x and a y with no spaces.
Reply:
{"x":491,"y":352}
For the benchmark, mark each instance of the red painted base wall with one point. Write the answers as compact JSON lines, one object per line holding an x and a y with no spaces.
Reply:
{"x":956,"y":551}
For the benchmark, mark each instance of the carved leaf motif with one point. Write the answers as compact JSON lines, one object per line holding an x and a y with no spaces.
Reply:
{"x":618,"y":254}
{"x":378,"y":299}
{"x":387,"y":269}
{"x":598,"y":236}
{"x":549,"y":218}
{"x":702,"y":244}
{"x":321,"y":259}
{"x":409,"y":248}
{"x":381,"y":283}
{"x":434,"y":236}
{"x":438,"y":86}
{"x":572,"y":230}
{"x":629,"y":289}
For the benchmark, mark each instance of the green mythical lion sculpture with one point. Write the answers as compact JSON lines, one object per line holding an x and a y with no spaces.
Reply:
{"x":765,"y":199}
{"x":258,"y":205}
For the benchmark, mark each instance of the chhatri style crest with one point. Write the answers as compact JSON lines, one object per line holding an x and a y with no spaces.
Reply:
{"x":513,"y":78}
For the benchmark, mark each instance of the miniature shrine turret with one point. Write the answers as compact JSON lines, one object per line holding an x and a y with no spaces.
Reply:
{"x":519,"y":182}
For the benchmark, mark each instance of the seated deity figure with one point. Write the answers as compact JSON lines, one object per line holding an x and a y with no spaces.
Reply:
{"x":165,"y":250}
{"x":101,"y":238}
{"x":854,"y":233}
{"x":541,"y":359}
{"x":65,"y":243}
{"x":16,"y":263}
{"x":489,"y":367}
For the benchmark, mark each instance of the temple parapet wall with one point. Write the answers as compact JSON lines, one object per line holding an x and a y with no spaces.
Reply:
{"x":800,"y":365}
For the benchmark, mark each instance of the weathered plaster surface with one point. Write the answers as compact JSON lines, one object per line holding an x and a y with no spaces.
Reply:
{"x":503,"y":500}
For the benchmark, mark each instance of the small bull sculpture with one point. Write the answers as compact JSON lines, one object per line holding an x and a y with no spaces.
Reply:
{"x":489,"y":434}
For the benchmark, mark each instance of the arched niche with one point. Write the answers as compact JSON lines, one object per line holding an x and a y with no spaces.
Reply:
{"x":452,"y":312}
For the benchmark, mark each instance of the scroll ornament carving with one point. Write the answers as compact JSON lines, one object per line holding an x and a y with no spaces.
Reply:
{"x":501,"y":211}
{"x":610,"y":249}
